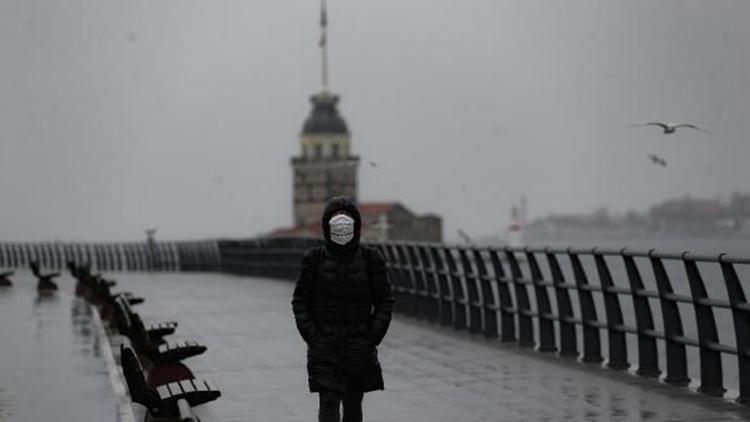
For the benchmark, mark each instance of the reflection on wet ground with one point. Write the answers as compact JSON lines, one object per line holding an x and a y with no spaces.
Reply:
{"x":50,"y":367}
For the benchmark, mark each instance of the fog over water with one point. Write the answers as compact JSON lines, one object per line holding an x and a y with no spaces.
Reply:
{"x":182,"y":115}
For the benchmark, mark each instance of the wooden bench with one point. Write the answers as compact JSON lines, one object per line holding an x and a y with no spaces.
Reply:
{"x":160,"y":352}
{"x":175,"y":352}
{"x":98,"y":285}
{"x":146,"y":342}
{"x":161,"y":329}
{"x":172,"y":400}
{"x":123,"y":314}
{"x":45,"y":283}
{"x":103,"y":290}
{"x":4,"y":280}
{"x":196,"y":392}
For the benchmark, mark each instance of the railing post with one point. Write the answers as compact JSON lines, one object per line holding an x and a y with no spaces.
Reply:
{"x":135,"y":262}
{"x":14,"y":259}
{"x":618,"y":349}
{"x":107,"y":256}
{"x":488,"y":296}
{"x":712,"y":382}
{"x":543,"y":306}
{"x":418,"y":280}
{"x":474,"y":301}
{"x":648,"y":357}
{"x":430,"y":278}
{"x":96,"y":252}
{"x":46,"y":255}
{"x":523,"y":306}
{"x":56,"y":251}
{"x":444,"y":291}
{"x":9,"y":255}
{"x":457,"y":288}
{"x":395,"y":277}
{"x":676,"y":358}
{"x":592,"y":350}
{"x":741,"y":318}
{"x":507,"y":316}
{"x":568,"y":343}
{"x":33,"y":255}
{"x":129,"y":257}
{"x":24,"y":254}
{"x":16,"y":255}
{"x":119,"y":256}
{"x":39,"y":254}
{"x":407,"y":279}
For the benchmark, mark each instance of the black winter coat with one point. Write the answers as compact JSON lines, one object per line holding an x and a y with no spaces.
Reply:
{"x":342,"y":307}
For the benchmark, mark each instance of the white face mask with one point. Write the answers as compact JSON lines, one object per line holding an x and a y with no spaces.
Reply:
{"x":342,"y":229}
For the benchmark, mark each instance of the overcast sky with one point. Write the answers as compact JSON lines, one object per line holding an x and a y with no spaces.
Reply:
{"x":117,"y":116}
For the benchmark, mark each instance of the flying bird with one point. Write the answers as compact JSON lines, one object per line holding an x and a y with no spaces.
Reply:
{"x":372,"y":163}
{"x":670,"y":128}
{"x":657,"y":160}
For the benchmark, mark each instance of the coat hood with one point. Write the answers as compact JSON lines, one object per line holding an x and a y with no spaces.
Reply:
{"x":335,"y":205}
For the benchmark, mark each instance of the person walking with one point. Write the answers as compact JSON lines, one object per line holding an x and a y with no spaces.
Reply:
{"x":342,"y":307}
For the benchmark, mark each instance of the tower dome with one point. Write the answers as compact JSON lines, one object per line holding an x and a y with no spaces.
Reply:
{"x":324,"y":117}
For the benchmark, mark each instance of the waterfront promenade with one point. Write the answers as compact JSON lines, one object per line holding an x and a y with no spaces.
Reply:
{"x":52,"y":364}
{"x":432,"y":374}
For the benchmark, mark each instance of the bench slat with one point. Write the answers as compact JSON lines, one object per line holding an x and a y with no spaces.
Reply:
{"x":187,"y":386}
{"x":163,"y":392}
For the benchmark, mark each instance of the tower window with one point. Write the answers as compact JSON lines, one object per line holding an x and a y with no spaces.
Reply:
{"x":318,"y":151}
{"x":335,"y":150}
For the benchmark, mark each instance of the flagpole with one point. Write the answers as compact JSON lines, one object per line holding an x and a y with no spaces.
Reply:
{"x":324,"y":44}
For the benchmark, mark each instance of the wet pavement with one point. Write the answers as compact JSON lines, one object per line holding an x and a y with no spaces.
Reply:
{"x":51,"y":368}
{"x":431,"y":373}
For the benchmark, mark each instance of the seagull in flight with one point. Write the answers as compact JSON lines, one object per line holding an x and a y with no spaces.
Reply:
{"x":657,"y":160}
{"x":670,"y":128}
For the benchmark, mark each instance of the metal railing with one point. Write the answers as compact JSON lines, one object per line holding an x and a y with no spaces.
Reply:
{"x":609,"y":306}
{"x":490,"y":291}
{"x":121,"y":256}
{"x":278,"y":258}
{"x":677,"y":313}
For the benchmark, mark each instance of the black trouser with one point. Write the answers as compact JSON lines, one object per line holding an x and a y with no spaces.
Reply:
{"x":331,"y":401}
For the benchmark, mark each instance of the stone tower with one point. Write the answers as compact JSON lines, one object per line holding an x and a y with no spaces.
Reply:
{"x":325,"y":166}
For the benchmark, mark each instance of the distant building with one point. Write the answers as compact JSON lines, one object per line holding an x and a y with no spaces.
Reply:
{"x":381,"y":221}
{"x":687,"y":212}
{"x":392,"y":221}
{"x":326,"y":167}
{"x":677,"y":215}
